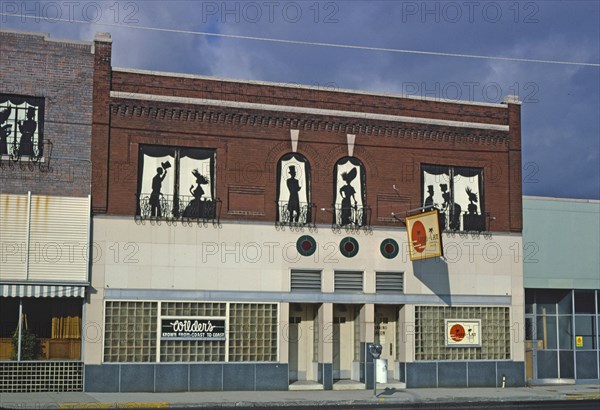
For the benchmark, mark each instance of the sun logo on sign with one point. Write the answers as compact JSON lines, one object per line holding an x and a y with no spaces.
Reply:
{"x":457,"y":332}
{"x":419,"y":237}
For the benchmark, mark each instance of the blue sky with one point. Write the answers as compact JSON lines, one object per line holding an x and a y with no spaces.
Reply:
{"x":561,"y":103}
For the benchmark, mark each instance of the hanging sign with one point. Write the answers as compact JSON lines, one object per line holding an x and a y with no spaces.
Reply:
{"x":463,"y":333}
{"x":424,"y":236}
{"x":192,"y":329}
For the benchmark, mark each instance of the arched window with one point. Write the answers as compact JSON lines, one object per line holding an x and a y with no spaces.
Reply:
{"x":350,"y":193}
{"x":293,"y":190}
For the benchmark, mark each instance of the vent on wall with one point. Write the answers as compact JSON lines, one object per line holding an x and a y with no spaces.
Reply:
{"x":348,"y":281}
{"x":306,"y":280}
{"x":389,"y":282}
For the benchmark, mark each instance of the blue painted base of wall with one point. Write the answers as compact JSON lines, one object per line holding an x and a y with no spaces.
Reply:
{"x":183,"y":377}
{"x":464,"y":374}
{"x":325,"y":375}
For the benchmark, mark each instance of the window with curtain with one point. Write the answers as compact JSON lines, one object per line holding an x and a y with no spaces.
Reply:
{"x":176,"y":182}
{"x":457,"y":192}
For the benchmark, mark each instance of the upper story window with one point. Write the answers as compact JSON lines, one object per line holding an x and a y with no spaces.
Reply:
{"x":176,"y":183}
{"x":21,"y":127}
{"x":458,"y":194}
{"x":350,"y":193}
{"x":293,"y":190}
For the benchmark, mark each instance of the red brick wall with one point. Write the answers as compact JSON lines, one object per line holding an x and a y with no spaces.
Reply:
{"x":249,"y":143}
{"x":298,"y":96}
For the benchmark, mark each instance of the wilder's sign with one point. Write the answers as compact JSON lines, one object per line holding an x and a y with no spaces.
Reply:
{"x":192,"y":329}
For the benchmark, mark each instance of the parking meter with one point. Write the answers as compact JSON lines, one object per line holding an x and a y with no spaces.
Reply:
{"x":375,"y":350}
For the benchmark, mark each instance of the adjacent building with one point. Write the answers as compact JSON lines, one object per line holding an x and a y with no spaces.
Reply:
{"x":561,"y":238}
{"x":45,"y":210}
{"x":251,"y":236}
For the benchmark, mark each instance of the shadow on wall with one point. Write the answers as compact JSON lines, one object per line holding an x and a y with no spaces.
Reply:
{"x":433,"y":273}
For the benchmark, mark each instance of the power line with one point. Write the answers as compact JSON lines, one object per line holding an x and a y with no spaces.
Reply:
{"x":316,"y":44}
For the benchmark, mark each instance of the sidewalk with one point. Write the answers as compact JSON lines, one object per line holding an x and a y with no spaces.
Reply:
{"x":358,"y":398}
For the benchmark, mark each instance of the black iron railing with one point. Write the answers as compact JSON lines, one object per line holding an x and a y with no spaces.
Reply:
{"x":35,"y":155}
{"x":181,"y":207}
{"x":299,"y":214}
{"x":352,"y":217}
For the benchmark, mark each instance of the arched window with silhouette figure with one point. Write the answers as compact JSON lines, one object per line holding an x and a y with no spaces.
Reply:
{"x":293,"y":190}
{"x":350,"y":192}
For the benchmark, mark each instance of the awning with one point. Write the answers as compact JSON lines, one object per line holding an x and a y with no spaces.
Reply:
{"x":41,"y":291}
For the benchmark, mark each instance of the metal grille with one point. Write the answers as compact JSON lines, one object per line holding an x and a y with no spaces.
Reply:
{"x":348,"y":282}
{"x":389,"y":282}
{"x":306,"y":280}
{"x":430,"y":343}
{"x":47,"y":376}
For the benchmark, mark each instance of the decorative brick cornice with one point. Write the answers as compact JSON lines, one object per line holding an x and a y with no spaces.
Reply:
{"x":153,"y":110}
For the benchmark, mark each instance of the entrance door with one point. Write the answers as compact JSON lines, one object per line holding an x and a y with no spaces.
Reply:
{"x":549,"y":349}
{"x":343,"y":341}
{"x":385,"y":333}
{"x":294,"y":338}
{"x":302,"y":323}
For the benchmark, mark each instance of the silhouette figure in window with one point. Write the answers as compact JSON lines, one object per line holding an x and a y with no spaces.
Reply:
{"x":347,"y":193}
{"x":294,"y":187}
{"x":472,"y":201}
{"x":27,"y":129}
{"x":197,"y":208}
{"x":4,"y":130}
{"x":161,"y":174}
{"x":450,"y":208}
{"x":429,"y":199}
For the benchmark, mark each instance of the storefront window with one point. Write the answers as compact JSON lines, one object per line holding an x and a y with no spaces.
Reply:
{"x":50,"y":328}
{"x":547,"y":301}
{"x":546,"y":332}
{"x":565,"y":332}
{"x":529,"y":300}
{"x":430,"y":342}
{"x":190,"y":332}
{"x":585,"y":332}
{"x":584,"y":302}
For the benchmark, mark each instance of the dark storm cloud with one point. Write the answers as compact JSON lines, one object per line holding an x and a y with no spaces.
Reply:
{"x":560,"y":108}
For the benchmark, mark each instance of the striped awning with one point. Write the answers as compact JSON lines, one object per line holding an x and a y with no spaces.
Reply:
{"x":41,"y":291}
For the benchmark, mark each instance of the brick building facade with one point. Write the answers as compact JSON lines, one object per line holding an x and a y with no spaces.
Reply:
{"x":45,"y":210}
{"x":274,"y":215}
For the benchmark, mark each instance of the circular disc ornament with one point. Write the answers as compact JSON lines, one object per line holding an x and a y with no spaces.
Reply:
{"x":349,"y":247}
{"x":389,"y":248}
{"x":306,"y":245}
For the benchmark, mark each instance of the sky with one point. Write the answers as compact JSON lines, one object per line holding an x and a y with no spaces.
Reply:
{"x":560,"y":103}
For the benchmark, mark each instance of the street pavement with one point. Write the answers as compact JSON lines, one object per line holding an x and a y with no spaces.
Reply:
{"x":584,"y":396}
